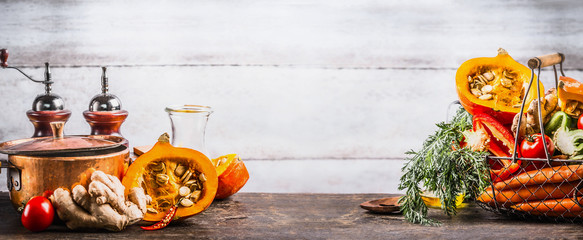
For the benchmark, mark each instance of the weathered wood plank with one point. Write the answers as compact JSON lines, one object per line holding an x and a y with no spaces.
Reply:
{"x":311,"y":216}
{"x":324,"y":176}
{"x":388,"y":34}
{"x":288,"y":80}
{"x":260,"y":112}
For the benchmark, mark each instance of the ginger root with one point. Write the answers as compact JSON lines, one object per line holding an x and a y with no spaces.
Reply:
{"x":530,"y":122}
{"x":101,"y":205}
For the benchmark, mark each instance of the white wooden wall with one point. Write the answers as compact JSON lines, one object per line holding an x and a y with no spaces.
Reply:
{"x":316,"y":96}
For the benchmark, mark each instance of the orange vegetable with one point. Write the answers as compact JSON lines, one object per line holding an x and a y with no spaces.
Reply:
{"x":167,"y":174}
{"x":508,"y":80}
{"x":566,"y":207}
{"x":570,"y":94}
{"x":559,"y":174}
{"x":509,"y":197}
{"x":232,"y":175}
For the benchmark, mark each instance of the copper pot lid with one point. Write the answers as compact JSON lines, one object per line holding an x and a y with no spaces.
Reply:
{"x":59,"y":143}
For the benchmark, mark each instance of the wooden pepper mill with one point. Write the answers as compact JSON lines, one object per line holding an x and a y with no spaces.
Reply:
{"x":105,"y":115}
{"x":47,"y":107}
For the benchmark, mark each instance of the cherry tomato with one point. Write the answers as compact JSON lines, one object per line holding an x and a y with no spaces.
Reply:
{"x":532,"y":147}
{"x":580,"y":122}
{"x":38,"y":214}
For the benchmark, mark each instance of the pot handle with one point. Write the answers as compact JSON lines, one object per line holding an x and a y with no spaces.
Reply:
{"x":13,"y":175}
{"x":5,"y":164}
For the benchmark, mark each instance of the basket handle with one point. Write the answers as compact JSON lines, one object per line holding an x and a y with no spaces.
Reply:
{"x":546,"y":60}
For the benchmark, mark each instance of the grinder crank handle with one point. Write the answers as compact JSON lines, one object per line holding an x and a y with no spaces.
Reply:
{"x":546,"y":60}
{"x":4,"y":64}
{"x":3,"y":58}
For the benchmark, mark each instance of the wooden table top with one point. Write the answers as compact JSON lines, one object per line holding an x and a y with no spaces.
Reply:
{"x":310,"y":216}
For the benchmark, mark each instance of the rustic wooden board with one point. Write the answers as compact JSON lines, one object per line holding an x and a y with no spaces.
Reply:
{"x":288,"y":80}
{"x":329,"y":33}
{"x":259,"y":112}
{"x":311,"y":216}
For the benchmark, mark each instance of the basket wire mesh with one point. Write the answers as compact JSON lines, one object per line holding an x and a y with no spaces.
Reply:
{"x":557,"y":195}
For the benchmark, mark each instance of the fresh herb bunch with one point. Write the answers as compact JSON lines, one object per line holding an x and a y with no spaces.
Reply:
{"x":445,"y":168}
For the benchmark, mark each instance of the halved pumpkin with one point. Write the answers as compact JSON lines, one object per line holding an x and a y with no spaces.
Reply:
{"x":173,"y":176}
{"x":232,"y":175}
{"x":507,"y":82}
{"x":570,"y":94}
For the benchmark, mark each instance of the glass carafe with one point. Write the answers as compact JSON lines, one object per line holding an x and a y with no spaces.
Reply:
{"x":189,"y":125}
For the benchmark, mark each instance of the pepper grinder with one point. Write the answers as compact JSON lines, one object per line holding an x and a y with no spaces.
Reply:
{"x":47,"y":107}
{"x":105,"y":115}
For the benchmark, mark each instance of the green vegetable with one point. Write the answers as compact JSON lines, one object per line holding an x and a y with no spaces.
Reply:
{"x":569,"y":142}
{"x":558,"y":120}
{"x":443,"y":170}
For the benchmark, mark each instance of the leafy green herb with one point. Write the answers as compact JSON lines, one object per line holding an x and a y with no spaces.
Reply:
{"x":443,"y":170}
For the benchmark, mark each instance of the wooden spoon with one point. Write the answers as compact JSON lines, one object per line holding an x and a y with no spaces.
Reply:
{"x":383,"y":205}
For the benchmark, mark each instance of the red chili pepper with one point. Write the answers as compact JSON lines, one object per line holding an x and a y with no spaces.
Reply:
{"x":501,"y":144}
{"x":164,"y":222}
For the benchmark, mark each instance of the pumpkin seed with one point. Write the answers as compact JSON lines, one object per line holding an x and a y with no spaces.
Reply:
{"x":488,"y":76}
{"x":151,"y":210}
{"x":479,"y":85}
{"x":183,"y":191}
{"x":509,"y":74}
{"x":190,"y":182}
{"x":162,"y":179}
{"x":571,"y":106}
{"x":476,"y":92}
{"x":507,"y":83}
{"x":164,"y":203}
{"x":193,"y":186}
{"x":486,"y":97}
{"x":487,"y":89}
{"x":202,"y":177}
{"x":195,"y":195}
{"x":470,"y":79}
{"x":186,"y":202}
{"x":158,"y":167}
{"x":179,"y":170}
{"x":186,"y":176}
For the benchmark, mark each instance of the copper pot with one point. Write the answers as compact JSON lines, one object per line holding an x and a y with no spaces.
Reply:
{"x":36,"y":165}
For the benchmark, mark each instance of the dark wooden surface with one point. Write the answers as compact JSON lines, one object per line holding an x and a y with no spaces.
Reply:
{"x":310,"y":216}
{"x":290,"y":81}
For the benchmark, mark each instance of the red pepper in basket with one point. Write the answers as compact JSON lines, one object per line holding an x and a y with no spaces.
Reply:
{"x":501,"y":144}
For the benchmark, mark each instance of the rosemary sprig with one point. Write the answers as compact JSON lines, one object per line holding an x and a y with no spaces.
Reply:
{"x":442,"y":170}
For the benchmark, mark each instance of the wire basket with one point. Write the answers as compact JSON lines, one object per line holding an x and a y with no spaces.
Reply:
{"x":546,"y":189}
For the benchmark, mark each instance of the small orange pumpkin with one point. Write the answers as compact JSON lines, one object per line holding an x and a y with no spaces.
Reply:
{"x":232,"y":175}
{"x":570,"y":94}
{"x":173,"y":176}
{"x":508,"y":80}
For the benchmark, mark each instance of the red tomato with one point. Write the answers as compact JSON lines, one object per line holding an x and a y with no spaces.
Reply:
{"x":47,"y":194}
{"x":580,"y":122}
{"x":532,"y":147}
{"x":38,"y":214}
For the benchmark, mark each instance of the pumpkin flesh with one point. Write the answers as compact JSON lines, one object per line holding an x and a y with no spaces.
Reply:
{"x":507,"y":82}
{"x":156,"y":172}
{"x":232,"y":175}
{"x":570,"y":94}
